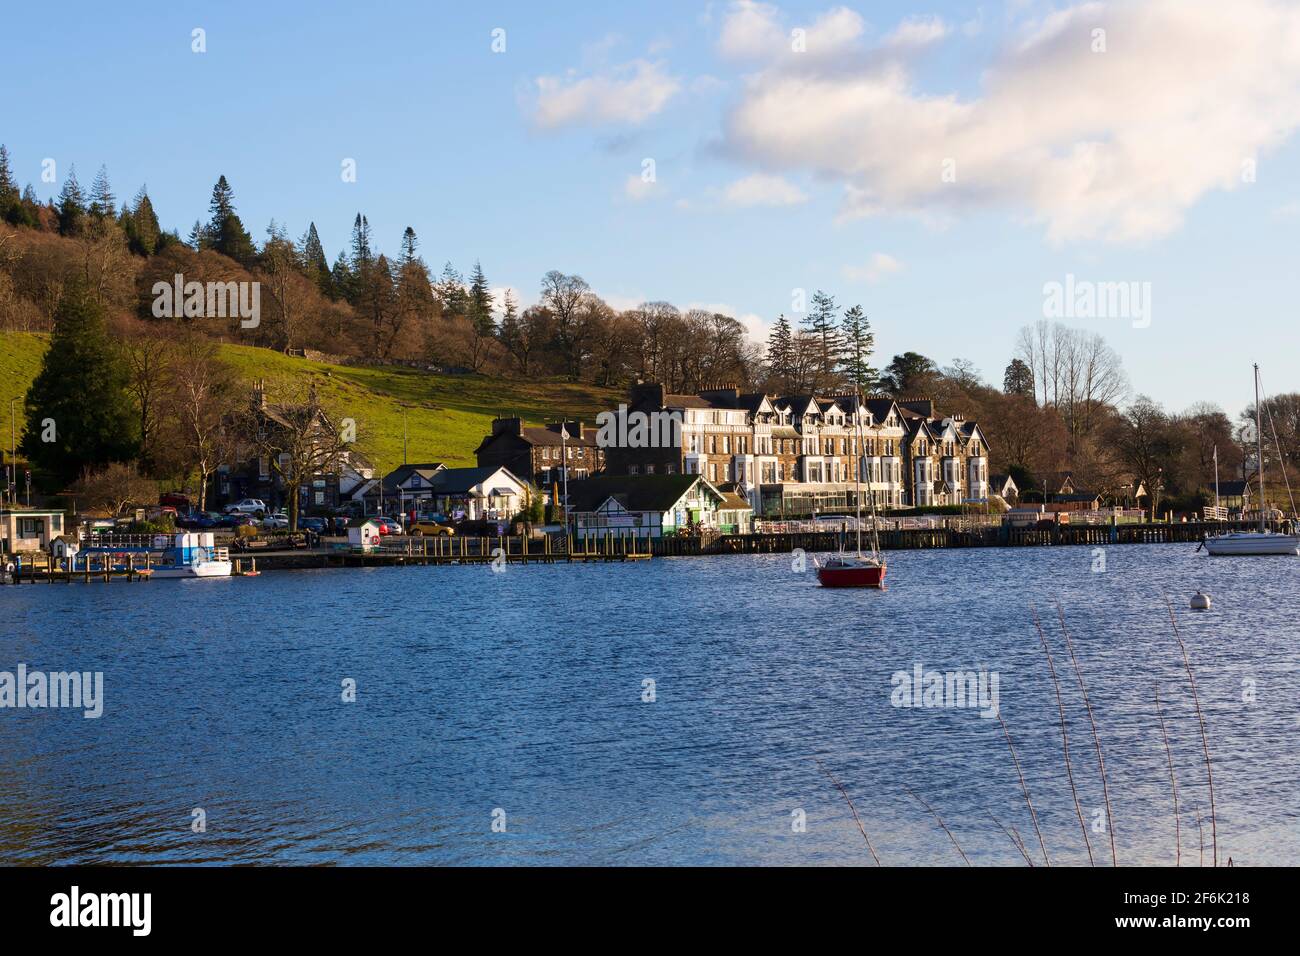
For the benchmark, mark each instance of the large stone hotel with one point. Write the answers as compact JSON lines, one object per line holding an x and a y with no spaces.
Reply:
{"x":795,"y":454}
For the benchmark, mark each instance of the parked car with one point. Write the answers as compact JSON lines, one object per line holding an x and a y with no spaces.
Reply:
{"x":249,"y":506}
{"x":388,"y":525}
{"x":176,"y":500}
{"x":423,"y":526}
{"x":240,"y":521}
{"x":315,"y":525}
{"x":277,"y":520}
{"x":199,"y":520}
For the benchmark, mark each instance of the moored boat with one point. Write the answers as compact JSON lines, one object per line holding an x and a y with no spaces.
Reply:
{"x":851,"y":571}
{"x":1252,"y":542}
{"x":189,"y":555}
{"x":1263,"y":541}
{"x":855,"y":570}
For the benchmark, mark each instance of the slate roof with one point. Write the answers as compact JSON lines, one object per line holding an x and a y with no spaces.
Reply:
{"x":633,"y":492}
{"x":399,"y":474}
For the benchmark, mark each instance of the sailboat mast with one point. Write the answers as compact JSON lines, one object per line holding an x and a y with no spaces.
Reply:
{"x":1259,"y":447}
{"x":857,"y":465}
{"x":1216,"y":477}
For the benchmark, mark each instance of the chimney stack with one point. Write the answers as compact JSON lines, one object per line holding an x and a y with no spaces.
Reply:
{"x":507,"y":426}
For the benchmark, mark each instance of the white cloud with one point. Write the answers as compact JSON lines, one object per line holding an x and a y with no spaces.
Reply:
{"x":629,"y":94}
{"x":917,"y":32}
{"x":1116,"y":145}
{"x":754,"y":30}
{"x":880,"y":265}
{"x":760,"y":189}
{"x":751,"y":30}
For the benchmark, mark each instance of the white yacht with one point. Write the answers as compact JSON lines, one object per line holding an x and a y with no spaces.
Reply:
{"x":1262,"y":541}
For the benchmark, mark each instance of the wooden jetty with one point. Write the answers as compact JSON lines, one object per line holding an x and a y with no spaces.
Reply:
{"x":37,"y":566}
{"x":458,"y":549}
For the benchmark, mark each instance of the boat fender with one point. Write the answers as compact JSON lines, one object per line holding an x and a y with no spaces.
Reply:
{"x":1200,"y":602}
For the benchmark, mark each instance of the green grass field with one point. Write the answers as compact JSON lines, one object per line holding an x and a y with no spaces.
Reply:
{"x":446,"y":415}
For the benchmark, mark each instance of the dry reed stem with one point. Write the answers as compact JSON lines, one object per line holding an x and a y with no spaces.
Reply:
{"x":1065,"y":737}
{"x":1201,"y":830}
{"x":1024,"y":789}
{"x":1014,"y":842}
{"x":1205,"y":741}
{"x":852,"y":809}
{"x":1101,"y":761}
{"x":941,"y":823}
{"x":1173,"y":783}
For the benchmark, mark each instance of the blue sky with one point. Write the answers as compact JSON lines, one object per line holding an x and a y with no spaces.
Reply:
{"x":775,"y":169}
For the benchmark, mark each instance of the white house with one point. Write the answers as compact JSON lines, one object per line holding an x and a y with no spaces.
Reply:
{"x":28,"y":529}
{"x":649,"y":506}
{"x":478,"y":494}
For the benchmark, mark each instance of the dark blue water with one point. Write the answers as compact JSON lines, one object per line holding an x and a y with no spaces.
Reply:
{"x":522,"y":692}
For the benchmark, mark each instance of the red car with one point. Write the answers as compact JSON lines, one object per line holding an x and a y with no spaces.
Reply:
{"x":388,"y":525}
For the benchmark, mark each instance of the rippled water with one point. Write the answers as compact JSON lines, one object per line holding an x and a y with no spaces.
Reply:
{"x":522,"y":692}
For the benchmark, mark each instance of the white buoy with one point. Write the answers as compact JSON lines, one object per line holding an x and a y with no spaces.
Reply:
{"x":1200,"y":602}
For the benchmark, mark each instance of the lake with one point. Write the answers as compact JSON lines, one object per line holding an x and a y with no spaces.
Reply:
{"x":665,"y":712}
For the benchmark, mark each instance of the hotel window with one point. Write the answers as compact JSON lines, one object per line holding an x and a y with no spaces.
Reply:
{"x":634,"y":469}
{"x":649,"y":469}
{"x":579,"y":452}
{"x":670,"y":469}
{"x":546,"y":454}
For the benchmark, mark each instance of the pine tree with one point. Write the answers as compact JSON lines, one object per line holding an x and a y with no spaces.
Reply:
{"x":409,"y":246}
{"x":859,"y":342}
{"x":341,"y":279}
{"x":71,"y":205}
{"x":450,"y":289}
{"x":479,"y":302}
{"x":362,"y":254}
{"x":780,"y":352}
{"x":9,"y":197}
{"x":314,"y":263}
{"x":102,"y":200}
{"x":222,"y":203}
{"x":141,"y":225}
{"x":820,"y":322}
{"x":226,"y":233}
{"x":81,"y":396}
{"x":198,"y":236}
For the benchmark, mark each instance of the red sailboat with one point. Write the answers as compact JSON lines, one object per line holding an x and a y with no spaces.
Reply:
{"x":855,"y":570}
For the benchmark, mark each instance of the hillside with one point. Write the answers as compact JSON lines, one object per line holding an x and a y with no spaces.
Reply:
{"x":447,"y":415}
